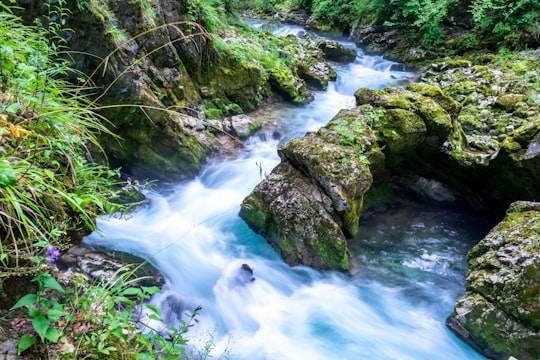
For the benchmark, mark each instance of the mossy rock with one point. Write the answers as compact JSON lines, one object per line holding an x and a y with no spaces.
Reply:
{"x":452,"y":64}
{"x":448,"y":104}
{"x":398,"y":130}
{"x":500,"y":314}
{"x":213,"y":113}
{"x":509,"y":102}
{"x":300,"y":229}
{"x":437,"y":120}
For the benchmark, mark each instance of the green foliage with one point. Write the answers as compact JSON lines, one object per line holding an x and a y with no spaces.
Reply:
{"x":425,"y":16}
{"x":85,"y":321}
{"x":335,"y":13}
{"x":48,"y":187}
{"x":43,"y":311}
{"x":504,"y":19}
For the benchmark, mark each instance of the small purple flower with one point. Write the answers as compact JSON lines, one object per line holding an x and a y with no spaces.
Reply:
{"x":53,"y":253}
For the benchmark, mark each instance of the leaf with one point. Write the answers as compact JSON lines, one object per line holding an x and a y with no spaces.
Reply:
{"x":41,"y":324}
{"x":131,"y":291}
{"x":13,"y":108}
{"x":7,"y":174}
{"x":18,"y":131}
{"x":25,"y":343}
{"x":51,"y":283}
{"x":53,"y":334}
{"x":26,"y":300}
{"x":54,"y":314}
{"x":34,"y":311}
{"x":152,"y":290}
{"x":154,"y":308}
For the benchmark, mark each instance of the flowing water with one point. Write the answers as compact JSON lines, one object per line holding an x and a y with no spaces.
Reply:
{"x":409,"y":263}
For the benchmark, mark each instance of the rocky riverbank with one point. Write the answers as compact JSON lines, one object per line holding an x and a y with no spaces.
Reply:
{"x":467,"y":135}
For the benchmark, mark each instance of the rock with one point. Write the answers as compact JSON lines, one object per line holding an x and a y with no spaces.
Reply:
{"x":500,"y":314}
{"x":448,"y":103}
{"x":244,"y":126}
{"x":288,"y":86}
{"x":374,"y":38}
{"x":509,"y":102}
{"x":295,"y":217}
{"x":499,"y":124}
{"x":437,"y":120}
{"x":310,"y":204}
{"x":334,"y":51}
{"x":430,"y":190}
{"x":9,"y":349}
{"x":314,"y":72}
{"x":104,"y":265}
{"x":243,"y":277}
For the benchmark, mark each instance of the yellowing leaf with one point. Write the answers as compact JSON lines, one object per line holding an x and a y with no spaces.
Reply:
{"x":18,"y":131}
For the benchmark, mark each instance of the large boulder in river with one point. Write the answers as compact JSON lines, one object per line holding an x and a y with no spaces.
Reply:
{"x":500,"y":312}
{"x":310,"y":205}
{"x":335,"y":51}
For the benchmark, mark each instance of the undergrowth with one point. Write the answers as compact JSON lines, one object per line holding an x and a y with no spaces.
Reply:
{"x":49,"y":186}
{"x":51,"y":191}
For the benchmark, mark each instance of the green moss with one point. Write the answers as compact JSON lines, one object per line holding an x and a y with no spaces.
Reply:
{"x":464,"y":87}
{"x":234,"y":108}
{"x":448,"y":104}
{"x":254,"y":126}
{"x":251,"y":212}
{"x":510,"y":101}
{"x":213,"y":114}
{"x":335,"y":254}
{"x":379,"y":195}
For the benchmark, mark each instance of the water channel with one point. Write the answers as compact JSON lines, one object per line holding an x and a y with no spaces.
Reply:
{"x":409,"y":263}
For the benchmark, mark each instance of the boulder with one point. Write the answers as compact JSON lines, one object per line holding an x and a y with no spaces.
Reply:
{"x":243,"y":126}
{"x":500,"y":313}
{"x":334,"y":51}
{"x":314,"y":72}
{"x":311,"y":203}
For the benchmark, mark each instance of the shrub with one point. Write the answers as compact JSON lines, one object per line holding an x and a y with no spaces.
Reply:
{"x":104,"y":319}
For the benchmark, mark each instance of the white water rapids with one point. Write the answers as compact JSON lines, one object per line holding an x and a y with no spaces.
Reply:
{"x":410,"y":264}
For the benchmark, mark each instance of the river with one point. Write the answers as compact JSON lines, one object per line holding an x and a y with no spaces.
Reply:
{"x":409,"y":263}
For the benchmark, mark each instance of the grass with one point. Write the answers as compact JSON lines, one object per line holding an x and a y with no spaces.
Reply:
{"x":49,"y":186}
{"x":50,"y":189}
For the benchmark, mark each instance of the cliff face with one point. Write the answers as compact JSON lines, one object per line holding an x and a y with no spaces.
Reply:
{"x":148,"y":60}
{"x":162,"y":72}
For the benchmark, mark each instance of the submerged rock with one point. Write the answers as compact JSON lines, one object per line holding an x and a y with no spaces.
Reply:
{"x":500,"y":312}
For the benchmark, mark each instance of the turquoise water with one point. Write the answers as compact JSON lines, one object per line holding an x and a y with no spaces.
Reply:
{"x":409,"y":265}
